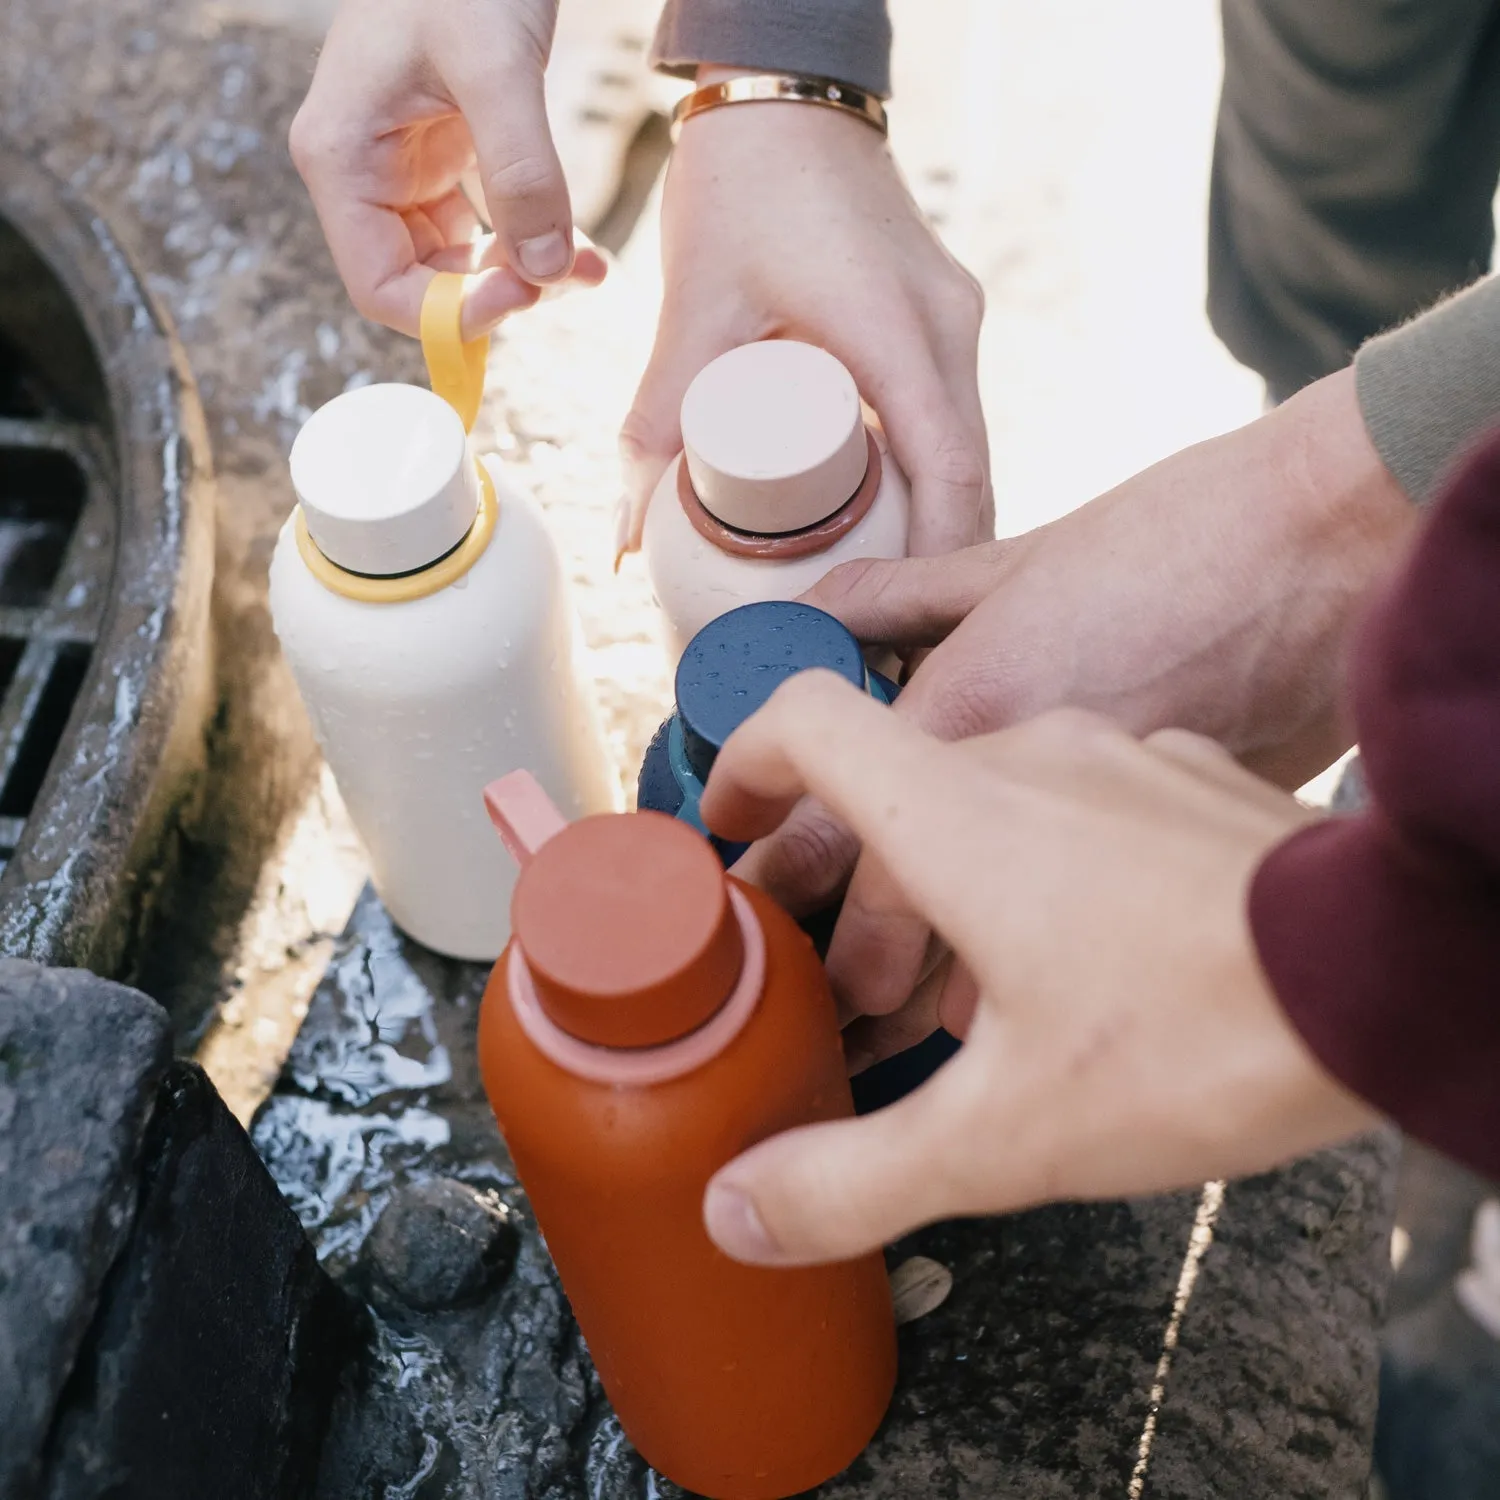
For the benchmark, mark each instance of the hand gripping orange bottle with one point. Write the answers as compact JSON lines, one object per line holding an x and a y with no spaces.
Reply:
{"x":651,"y":1019}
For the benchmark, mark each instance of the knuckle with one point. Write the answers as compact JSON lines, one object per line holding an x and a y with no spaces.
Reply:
{"x":811,"y":856}
{"x":874,"y":590}
{"x":525,"y":176}
{"x":370,"y":302}
{"x":963,"y":299}
{"x":968,"y":705}
{"x":958,"y":465}
{"x":862,"y":578}
{"x":642,"y":437}
{"x":1068,"y":734}
{"x":311,"y":143}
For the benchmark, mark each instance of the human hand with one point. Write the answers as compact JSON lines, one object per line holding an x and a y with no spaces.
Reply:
{"x":1124,"y":1039}
{"x":791,"y":221}
{"x":1214,"y":592}
{"x":409,"y":102}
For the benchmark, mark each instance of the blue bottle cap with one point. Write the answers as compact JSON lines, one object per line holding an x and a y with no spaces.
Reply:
{"x":736,"y":662}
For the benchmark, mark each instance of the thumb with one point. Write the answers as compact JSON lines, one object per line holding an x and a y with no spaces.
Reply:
{"x":837,"y":1190}
{"x":914,"y":602}
{"x":525,"y":193}
{"x":651,"y":434}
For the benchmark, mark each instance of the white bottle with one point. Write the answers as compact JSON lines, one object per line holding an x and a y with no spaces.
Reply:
{"x":779,"y":480}
{"x":454,"y":663}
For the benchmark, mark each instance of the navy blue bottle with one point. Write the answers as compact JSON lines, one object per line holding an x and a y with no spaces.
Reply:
{"x":728,"y":671}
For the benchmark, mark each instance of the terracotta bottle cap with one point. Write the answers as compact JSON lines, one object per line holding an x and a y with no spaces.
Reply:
{"x":385,"y":479}
{"x":736,"y":662}
{"x":626,"y":927}
{"x":774,"y":436}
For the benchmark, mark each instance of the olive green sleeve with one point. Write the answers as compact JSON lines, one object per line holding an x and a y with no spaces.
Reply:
{"x":1431,"y":388}
{"x":849,"y":40}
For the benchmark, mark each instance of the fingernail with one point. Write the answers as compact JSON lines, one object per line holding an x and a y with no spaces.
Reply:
{"x":546,"y":255}
{"x":622,"y":530}
{"x":735,"y":1226}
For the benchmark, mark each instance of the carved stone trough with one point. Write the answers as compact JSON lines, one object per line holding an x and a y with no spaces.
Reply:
{"x":106,"y":565}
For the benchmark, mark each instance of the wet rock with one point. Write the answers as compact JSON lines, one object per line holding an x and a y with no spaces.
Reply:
{"x":212,"y":1362}
{"x":441,"y":1244}
{"x":375,"y":1445}
{"x":1271,"y":1390}
{"x":80,"y":1060}
{"x":613,"y":1470}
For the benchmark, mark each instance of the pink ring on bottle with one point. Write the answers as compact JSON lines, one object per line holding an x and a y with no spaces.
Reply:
{"x":783,"y":544}
{"x":645,"y":1065}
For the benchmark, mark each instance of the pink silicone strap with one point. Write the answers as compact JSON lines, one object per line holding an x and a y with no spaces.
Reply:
{"x":523,"y":813}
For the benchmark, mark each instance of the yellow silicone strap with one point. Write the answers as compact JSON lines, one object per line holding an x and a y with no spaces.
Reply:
{"x":446,"y":570}
{"x":456,"y":369}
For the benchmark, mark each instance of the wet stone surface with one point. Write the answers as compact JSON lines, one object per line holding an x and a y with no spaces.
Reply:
{"x":1034,"y":1378}
{"x":165,"y":1329}
{"x":212,"y":1361}
{"x":439,"y":1244}
{"x":1273,"y":1383}
{"x":79,"y":1064}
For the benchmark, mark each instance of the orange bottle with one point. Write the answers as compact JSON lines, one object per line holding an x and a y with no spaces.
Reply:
{"x":651,"y":1019}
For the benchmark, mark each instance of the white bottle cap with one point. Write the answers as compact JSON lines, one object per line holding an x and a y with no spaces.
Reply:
{"x":385,"y":479}
{"x":774,"y":437}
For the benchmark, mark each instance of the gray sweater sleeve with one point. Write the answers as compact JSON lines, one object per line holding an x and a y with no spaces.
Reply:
{"x":849,"y":40}
{"x":1431,"y":388}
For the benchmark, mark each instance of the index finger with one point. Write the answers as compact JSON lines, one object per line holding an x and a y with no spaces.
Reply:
{"x":377,"y":261}
{"x":935,"y":422}
{"x":910,"y":799}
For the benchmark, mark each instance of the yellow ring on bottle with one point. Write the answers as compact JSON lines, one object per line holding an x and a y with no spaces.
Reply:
{"x":403,"y":588}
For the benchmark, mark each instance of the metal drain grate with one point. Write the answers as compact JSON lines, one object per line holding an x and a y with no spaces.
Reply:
{"x":56,"y":552}
{"x":106,"y":561}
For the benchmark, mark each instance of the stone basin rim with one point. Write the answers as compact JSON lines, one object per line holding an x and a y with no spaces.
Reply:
{"x":82,"y":878}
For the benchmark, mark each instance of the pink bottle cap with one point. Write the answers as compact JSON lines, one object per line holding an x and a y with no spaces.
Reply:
{"x":774,"y":436}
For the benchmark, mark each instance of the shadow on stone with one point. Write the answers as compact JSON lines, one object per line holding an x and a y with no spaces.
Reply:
{"x":80,"y":1061}
{"x":212,"y":1361}
{"x":165,"y":1328}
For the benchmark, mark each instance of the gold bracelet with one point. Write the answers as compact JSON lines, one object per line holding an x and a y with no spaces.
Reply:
{"x":754,"y":88}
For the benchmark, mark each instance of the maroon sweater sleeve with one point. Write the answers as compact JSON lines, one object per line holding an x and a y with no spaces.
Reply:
{"x":1381,"y":932}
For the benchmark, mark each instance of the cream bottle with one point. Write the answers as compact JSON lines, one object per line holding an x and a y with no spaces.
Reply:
{"x":424,"y":612}
{"x":780,"y":479}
